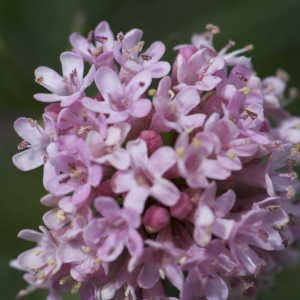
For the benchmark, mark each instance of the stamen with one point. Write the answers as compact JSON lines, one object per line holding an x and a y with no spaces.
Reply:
{"x":146,"y":57}
{"x":39,"y":79}
{"x":162,"y":274}
{"x":180,"y":151}
{"x":75,"y":288}
{"x":75,"y":173}
{"x":171,"y":94}
{"x":229,"y":45}
{"x":246,"y":90}
{"x":231,"y":154}
{"x":253,"y":115}
{"x":214,"y":29}
{"x":283,"y":75}
{"x":51,"y":262}
{"x":23,"y":145}
{"x":86,"y":249}
{"x":120,"y":37}
{"x":37,"y":252}
{"x":65,"y":280}
{"x":60,"y":215}
{"x":152,"y":92}
{"x":196,"y":143}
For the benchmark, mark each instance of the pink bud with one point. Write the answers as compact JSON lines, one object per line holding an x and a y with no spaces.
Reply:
{"x":156,"y":218}
{"x":152,"y":139}
{"x":182,"y":208}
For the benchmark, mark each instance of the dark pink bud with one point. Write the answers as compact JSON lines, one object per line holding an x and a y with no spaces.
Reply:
{"x":182,"y":208}
{"x":152,"y":139}
{"x":156,"y":218}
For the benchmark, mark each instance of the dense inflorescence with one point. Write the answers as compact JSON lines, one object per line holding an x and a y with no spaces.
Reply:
{"x":160,"y":185}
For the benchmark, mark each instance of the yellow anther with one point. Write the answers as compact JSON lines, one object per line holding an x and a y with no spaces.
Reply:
{"x":60,"y":215}
{"x":171,"y":93}
{"x":39,"y":79}
{"x":180,"y":151}
{"x":231,"y":154}
{"x":251,"y":113}
{"x":84,"y":129}
{"x":196,"y":143}
{"x":37,"y":252}
{"x":98,"y":261}
{"x":75,"y":173}
{"x":152,"y":92}
{"x":246,"y":90}
{"x":182,"y":260}
{"x":51,"y":262}
{"x":75,"y":288}
{"x":162,"y":274}
{"x":290,"y":192}
{"x":65,"y":280}
{"x":41,"y":275}
{"x":86,"y":249}
{"x":98,"y":51}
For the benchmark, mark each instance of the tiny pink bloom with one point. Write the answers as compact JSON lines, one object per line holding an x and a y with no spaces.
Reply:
{"x":129,"y":54}
{"x":173,"y":111}
{"x":34,"y":144}
{"x":107,"y":147}
{"x":202,"y":70}
{"x":114,"y":231}
{"x":67,"y":88}
{"x":145,"y":177}
{"x":120,"y":101}
{"x":97,"y":49}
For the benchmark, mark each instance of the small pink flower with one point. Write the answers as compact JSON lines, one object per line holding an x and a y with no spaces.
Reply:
{"x":145,"y":177}
{"x":120,"y":101}
{"x":67,"y":88}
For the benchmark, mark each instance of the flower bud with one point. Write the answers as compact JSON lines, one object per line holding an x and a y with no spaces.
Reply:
{"x":182,"y":208}
{"x":156,"y":218}
{"x":152,"y":139}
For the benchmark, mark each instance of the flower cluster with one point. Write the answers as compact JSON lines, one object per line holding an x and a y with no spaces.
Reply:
{"x":155,"y":180}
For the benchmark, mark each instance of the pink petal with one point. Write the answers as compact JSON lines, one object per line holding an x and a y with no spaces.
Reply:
{"x":187,"y":99}
{"x":159,"y":69}
{"x":28,"y":130}
{"x":50,"y":80}
{"x":28,"y":160}
{"x":162,"y":160}
{"x":71,"y":62}
{"x":97,"y":106}
{"x":165,"y":192}
{"x":122,"y":181}
{"x":216,"y":289}
{"x":135,"y":244}
{"x":108,"y":83}
{"x":140,"y":108}
{"x":106,"y":206}
{"x":138,"y":85}
{"x":136,"y":198}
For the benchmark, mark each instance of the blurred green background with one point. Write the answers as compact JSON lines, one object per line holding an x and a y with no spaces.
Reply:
{"x":34,"y":32}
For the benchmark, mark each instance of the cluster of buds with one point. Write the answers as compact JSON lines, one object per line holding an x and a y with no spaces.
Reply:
{"x":155,"y":180}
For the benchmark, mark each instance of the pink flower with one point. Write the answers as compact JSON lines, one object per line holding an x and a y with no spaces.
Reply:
{"x":67,"y":88}
{"x":34,"y":144}
{"x":129,"y":54}
{"x":173,"y":111}
{"x":120,"y":101}
{"x":202,"y":70}
{"x":71,"y":171}
{"x":97,"y":49}
{"x":145,"y":177}
{"x":210,"y":215}
{"x":115,"y":230}
{"x":107,"y":147}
